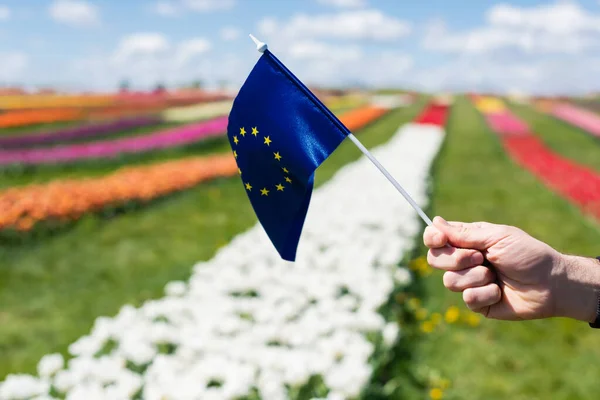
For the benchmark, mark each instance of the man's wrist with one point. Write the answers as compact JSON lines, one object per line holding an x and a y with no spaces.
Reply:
{"x":578,"y":288}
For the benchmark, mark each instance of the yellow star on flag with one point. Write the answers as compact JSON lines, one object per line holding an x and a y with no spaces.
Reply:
{"x":264,"y":192}
{"x":239,"y":171}
{"x":235,"y":154}
{"x":285,"y":170}
{"x":235,"y":140}
{"x":255,"y":131}
{"x":268,"y":140}
{"x":279,"y":187}
{"x":277,"y":156}
{"x":288,"y":180}
{"x":242,"y":132}
{"x":248,"y":187}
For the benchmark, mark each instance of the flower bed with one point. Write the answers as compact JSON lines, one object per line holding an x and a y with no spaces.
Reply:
{"x":489,"y":105}
{"x":587,"y":120}
{"x":22,"y":208}
{"x":112,"y":148}
{"x":47,"y":101}
{"x":345,"y":101}
{"x":197,"y":112}
{"x":354,"y":120}
{"x":90,"y":101}
{"x":575,"y":182}
{"x":13,"y":119}
{"x":360,"y":117}
{"x":579,"y":184}
{"x":78,"y":132}
{"x":26,"y":110}
{"x":499,"y":118}
{"x":248,"y":325}
{"x":434,"y":114}
{"x":506,"y":123}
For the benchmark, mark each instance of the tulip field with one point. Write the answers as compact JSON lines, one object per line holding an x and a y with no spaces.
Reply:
{"x":579,"y":184}
{"x":132,"y":265}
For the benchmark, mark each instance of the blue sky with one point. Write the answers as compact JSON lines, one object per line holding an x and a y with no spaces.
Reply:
{"x":525,"y":45}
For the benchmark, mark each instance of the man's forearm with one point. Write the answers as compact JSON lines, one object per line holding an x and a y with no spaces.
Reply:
{"x":577,"y":288}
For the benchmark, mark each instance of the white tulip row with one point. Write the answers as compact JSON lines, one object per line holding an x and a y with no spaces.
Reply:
{"x":391,"y":100}
{"x":197,"y":112}
{"x":247,"y":322}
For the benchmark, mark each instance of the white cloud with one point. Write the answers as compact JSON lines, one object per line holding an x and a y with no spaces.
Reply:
{"x":137,"y":45}
{"x":208,"y":5}
{"x":328,"y":49}
{"x":4,"y":13}
{"x":550,"y":48}
{"x":344,"y":3}
{"x":147,"y":58}
{"x":312,"y":50}
{"x":13,"y":66}
{"x":78,"y":13}
{"x":229,"y":33}
{"x":561,"y":27}
{"x":523,"y":48}
{"x":353,"y":25}
{"x":190,"y":49}
{"x":171,"y":8}
{"x":165,"y":9}
{"x":338,"y":65}
{"x":145,"y":72}
{"x":480,"y":74}
{"x":563,"y":17}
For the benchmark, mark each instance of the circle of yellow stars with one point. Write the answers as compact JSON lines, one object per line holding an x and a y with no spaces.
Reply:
{"x":276,"y":155}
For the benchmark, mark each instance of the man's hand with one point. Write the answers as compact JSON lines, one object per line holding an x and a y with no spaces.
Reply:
{"x":527,"y":278}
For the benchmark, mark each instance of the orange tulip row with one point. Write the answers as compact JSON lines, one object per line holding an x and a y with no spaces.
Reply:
{"x":31,"y":117}
{"x":21,"y":208}
{"x":121,"y":108}
{"x":359,"y":117}
{"x":39,"y":101}
{"x":89,"y":101}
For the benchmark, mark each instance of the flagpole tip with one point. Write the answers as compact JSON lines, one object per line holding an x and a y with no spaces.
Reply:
{"x":260,"y":46}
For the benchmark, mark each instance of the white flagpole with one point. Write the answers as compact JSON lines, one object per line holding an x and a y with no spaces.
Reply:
{"x":261,"y":47}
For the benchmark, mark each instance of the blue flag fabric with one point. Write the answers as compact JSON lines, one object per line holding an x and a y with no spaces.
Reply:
{"x":279,"y":134}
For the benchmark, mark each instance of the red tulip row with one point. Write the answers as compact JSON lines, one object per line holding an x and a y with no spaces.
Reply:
{"x":577,"y":183}
{"x":435,"y":113}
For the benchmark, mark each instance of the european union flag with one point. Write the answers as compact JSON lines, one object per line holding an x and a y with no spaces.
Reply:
{"x":280,"y":133}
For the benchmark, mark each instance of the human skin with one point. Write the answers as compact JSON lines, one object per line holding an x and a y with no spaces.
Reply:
{"x":524,"y":278}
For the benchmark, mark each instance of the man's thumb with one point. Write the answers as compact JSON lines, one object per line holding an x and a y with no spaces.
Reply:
{"x":476,"y":235}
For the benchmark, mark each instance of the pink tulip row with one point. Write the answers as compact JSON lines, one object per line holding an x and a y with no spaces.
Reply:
{"x":573,"y":181}
{"x":587,"y":120}
{"x":112,"y":148}
{"x":505,"y":123}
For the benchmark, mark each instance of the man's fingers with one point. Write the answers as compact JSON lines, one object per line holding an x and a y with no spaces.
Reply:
{"x":452,"y":259}
{"x":479,"y":298}
{"x":434,"y":238}
{"x":478,"y":276}
{"x":477,"y":235}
